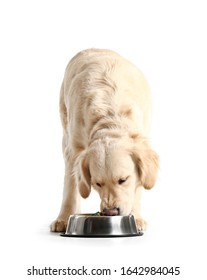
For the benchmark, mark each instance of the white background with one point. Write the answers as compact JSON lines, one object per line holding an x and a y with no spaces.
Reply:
{"x":167,"y":40}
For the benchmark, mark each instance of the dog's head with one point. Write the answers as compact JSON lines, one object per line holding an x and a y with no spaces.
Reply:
{"x":115,"y":168}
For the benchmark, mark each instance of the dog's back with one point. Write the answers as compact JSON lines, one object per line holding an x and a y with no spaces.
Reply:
{"x":100,"y":83}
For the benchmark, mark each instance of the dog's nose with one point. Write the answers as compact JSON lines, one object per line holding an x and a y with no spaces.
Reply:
{"x":110,"y":212}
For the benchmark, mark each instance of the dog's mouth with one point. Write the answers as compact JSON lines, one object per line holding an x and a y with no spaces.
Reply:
{"x":111,"y":212}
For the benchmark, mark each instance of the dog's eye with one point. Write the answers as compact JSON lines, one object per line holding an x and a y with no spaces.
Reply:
{"x":121,"y":181}
{"x":98,"y":184}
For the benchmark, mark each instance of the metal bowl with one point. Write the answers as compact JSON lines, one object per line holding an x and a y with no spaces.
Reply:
{"x":88,"y":225}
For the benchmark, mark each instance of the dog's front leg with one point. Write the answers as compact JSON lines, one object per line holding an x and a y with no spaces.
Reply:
{"x":141,"y":223}
{"x":70,"y":203}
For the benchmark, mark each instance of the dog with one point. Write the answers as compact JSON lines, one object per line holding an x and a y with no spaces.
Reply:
{"x":105,"y":109}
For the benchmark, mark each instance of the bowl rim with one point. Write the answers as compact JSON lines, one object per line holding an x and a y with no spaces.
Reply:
{"x":139,"y":233}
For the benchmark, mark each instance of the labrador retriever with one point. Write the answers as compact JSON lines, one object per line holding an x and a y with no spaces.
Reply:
{"x":105,"y":108}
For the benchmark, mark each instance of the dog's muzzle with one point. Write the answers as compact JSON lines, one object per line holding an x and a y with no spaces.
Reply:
{"x":111,"y":212}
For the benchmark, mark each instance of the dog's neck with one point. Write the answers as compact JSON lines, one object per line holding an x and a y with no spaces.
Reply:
{"x":113,"y":128}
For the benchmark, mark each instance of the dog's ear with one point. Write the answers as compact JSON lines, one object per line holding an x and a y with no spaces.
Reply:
{"x":146,"y":160}
{"x":83,"y":177}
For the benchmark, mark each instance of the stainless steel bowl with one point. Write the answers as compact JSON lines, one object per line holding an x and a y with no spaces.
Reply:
{"x":87,"y":225}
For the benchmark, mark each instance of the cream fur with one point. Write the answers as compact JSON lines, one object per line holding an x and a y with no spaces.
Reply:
{"x":105,"y":107}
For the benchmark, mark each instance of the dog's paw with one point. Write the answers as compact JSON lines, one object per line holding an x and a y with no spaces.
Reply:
{"x":141,"y":224}
{"x":58,"y":226}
